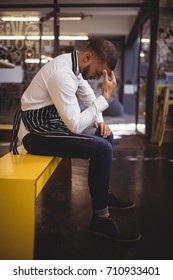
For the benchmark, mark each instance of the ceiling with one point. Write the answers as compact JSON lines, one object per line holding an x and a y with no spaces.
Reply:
{"x":117,"y":19}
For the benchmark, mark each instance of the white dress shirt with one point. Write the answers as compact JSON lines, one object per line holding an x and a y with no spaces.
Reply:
{"x":56,"y":83}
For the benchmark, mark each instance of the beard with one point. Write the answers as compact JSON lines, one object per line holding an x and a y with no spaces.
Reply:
{"x":85,"y":72}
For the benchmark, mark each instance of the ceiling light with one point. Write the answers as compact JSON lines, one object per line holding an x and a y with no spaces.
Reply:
{"x":145,"y":40}
{"x":33,"y":37}
{"x":142,"y":54}
{"x":44,"y":59}
{"x":20,"y":18}
{"x":29,"y":18}
{"x":35,"y":60}
{"x":12,"y":37}
{"x":84,"y":37}
{"x":70,"y":18}
{"x":48,"y":37}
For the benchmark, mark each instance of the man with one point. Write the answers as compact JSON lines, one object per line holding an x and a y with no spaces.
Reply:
{"x":52,"y":123}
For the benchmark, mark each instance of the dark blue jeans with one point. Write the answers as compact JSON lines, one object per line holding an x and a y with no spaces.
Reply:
{"x":98,"y":151}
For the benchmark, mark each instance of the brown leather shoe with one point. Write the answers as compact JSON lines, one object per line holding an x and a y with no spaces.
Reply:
{"x":115,"y":202}
{"x":109,"y":228}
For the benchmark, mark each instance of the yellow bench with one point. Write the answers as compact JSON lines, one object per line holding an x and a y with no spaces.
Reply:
{"x":22,"y":177}
{"x":6,"y":126}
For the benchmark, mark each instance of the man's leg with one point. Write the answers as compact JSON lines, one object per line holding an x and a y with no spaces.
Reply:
{"x":98,"y":150}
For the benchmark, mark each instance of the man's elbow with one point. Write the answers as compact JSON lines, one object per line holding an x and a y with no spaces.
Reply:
{"x":74,"y":128}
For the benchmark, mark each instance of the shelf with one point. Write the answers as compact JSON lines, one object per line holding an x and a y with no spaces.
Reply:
{"x":4,"y":64}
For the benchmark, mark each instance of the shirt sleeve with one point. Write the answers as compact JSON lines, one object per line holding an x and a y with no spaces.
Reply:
{"x":87,"y":96}
{"x":62,"y":88}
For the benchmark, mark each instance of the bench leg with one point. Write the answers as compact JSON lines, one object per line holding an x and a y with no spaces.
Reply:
{"x":64,"y":170}
{"x":17,"y":219}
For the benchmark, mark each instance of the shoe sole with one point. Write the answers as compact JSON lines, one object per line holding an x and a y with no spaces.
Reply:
{"x":124,"y":208}
{"x":116,"y":239}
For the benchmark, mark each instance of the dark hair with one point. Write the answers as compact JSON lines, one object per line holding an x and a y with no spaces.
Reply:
{"x":105,"y":51}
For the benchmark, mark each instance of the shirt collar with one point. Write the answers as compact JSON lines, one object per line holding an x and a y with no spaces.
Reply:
{"x":75,"y":64}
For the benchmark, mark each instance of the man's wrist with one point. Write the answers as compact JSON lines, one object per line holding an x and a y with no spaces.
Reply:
{"x":105,"y":95}
{"x":101,"y":103}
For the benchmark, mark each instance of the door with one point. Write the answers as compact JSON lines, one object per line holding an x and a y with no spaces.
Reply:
{"x":144,"y":55}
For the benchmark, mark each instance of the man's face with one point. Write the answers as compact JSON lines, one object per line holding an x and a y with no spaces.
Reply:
{"x":94,"y":71}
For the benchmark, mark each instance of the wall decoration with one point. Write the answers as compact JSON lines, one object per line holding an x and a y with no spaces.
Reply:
{"x":17,"y":50}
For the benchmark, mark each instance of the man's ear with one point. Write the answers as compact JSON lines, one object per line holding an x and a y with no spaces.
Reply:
{"x":88,"y":56}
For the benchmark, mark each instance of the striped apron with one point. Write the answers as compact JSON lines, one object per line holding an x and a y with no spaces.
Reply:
{"x":44,"y":121}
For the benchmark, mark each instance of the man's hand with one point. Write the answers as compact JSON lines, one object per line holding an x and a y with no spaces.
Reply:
{"x":109,"y":83}
{"x":104,"y":128}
